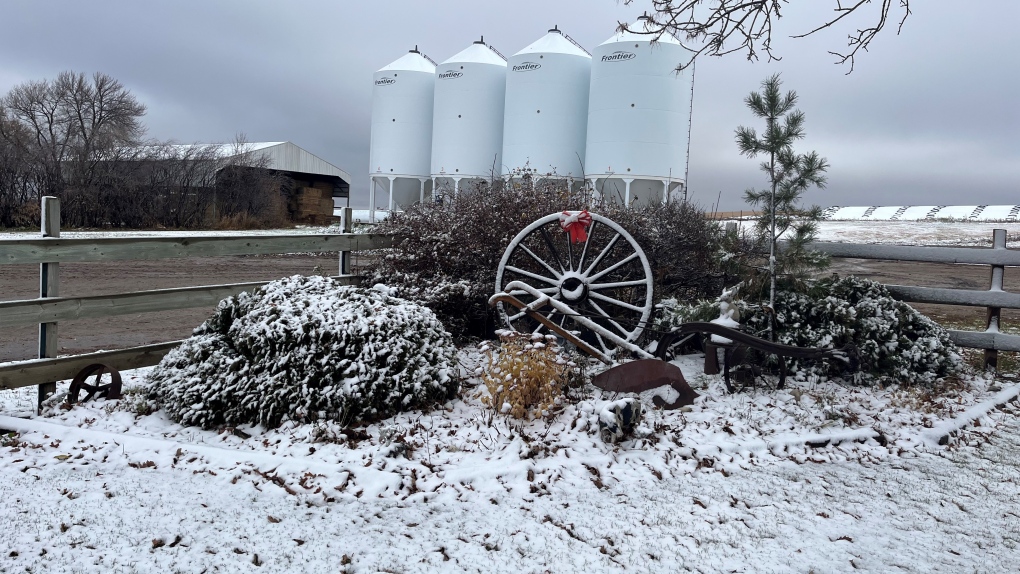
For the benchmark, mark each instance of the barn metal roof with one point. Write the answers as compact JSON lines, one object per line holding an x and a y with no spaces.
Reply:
{"x":281,"y":156}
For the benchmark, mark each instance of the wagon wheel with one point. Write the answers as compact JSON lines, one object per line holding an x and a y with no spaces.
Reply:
{"x":754,"y":369}
{"x":673,"y":345}
{"x":111,"y":390}
{"x":605,"y":277}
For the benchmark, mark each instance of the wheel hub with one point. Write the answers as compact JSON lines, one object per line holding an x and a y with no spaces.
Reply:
{"x":573,"y":288}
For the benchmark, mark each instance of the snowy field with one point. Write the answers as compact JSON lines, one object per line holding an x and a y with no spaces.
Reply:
{"x":821,"y":478}
{"x":818,"y":478}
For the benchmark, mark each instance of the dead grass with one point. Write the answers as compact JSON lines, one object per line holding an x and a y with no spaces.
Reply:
{"x":525,"y":376}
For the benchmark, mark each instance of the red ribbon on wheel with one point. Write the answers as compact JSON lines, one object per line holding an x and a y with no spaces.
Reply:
{"x":576,"y":224}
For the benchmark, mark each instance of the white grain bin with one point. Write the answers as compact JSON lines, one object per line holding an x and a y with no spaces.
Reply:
{"x":546,"y":116}
{"x":638,"y":117}
{"x":467,"y":135}
{"x":402,"y":130}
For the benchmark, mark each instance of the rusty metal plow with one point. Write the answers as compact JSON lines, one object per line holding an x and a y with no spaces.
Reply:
{"x":543,"y":300}
{"x":635,"y":376}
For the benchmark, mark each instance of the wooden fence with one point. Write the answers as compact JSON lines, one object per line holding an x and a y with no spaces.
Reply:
{"x":49,"y":309}
{"x":994,"y":299}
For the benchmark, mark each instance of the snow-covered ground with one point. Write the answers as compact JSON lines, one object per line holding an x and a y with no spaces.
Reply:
{"x":821,"y":478}
{"x":736,"y":483}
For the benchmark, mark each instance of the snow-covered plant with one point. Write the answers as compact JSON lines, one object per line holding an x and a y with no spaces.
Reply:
{"x":526,"y":375}
{"x":448,"y":253}
{"x":307,"y":348}
{"x":896,"y":343}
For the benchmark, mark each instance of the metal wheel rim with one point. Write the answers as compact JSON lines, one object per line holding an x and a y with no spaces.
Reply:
{"x":624,"y":309}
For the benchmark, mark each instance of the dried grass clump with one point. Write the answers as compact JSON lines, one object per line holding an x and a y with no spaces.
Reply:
{"x":526,"y":375}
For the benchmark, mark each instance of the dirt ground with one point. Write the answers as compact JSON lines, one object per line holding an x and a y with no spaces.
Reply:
{"x":84,"y":279}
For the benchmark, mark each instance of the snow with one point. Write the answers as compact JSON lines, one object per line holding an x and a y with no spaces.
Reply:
{"x":957,"y":233}
{"x":728,"y":484}
{"x":819,"y":477}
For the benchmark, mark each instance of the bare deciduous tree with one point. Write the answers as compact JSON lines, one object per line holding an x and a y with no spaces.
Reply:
{"x":62,"y":128}
{"x":79,"y":138}
{"x":720,"y":27}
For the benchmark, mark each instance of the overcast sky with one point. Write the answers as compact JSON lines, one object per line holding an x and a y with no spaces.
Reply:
{"x":929,"y":117}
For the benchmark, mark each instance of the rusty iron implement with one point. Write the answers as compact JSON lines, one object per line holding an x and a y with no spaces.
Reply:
{"x":644,"y":375}
{"x":573,"y":339}
{"x":741,"y":341}
{"x":111,"y":390}
{"x":633,"y":377}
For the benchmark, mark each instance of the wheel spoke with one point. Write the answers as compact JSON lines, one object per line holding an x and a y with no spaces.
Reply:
{"x":616,"y":285}
{"x":542,"y":325}
{"x":617,"y":302}
{"x":584,"y":250}
{"x":520,"y":271}
{"x":552,"y":249}
{"x":605,"y":348}
{"x":554,"y":272}
{"x":605,"y":251}
{"x":570,"y":252}
{"x":517,"y":316}
{"x":602,"y":312}
{"x":628,"y":259}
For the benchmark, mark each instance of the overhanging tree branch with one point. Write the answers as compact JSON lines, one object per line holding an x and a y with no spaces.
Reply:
{"x":721,"y":27}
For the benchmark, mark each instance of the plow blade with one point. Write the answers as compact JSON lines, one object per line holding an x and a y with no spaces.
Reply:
{"x":644,"y":375}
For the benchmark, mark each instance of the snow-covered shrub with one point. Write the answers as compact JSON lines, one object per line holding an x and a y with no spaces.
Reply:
{"x":448,"y":253}
{"x":526,"y":375}
{"x":896,"y":343}
{"x":307,"y":348}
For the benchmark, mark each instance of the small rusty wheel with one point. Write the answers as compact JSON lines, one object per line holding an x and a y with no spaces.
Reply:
{"x":747,"y":368}
{"x":111,"y":390}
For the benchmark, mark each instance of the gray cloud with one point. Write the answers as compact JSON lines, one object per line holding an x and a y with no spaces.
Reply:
{"x":927,"y":117}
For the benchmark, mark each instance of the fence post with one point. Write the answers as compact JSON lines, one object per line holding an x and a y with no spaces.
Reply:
{"x":992,"y":325}
{"x":49,"y":286}
{"x":346,"y":226}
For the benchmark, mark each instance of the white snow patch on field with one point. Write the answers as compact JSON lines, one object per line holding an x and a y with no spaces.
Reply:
{"x":727,"y":485}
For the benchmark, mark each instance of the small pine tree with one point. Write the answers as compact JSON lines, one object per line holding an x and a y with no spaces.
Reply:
{"x":789,"y":175}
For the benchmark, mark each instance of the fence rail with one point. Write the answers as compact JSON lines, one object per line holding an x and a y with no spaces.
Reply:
{"x":965,"y":255}
{"x":49,"y":309}
{"x":52,"y":310}
{"x":41,"y":371}
{"x":57,"y":250}
{"x":994,"y":299}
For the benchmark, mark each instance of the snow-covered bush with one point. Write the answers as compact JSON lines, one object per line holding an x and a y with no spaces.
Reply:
{"x":526,"y":375}
{"x":307,"y":348}
{"x":448,"y":253}
{"x":897,"y":344}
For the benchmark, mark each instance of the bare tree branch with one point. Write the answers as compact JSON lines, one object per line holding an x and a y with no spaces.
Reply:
{"x":721,"y":27}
